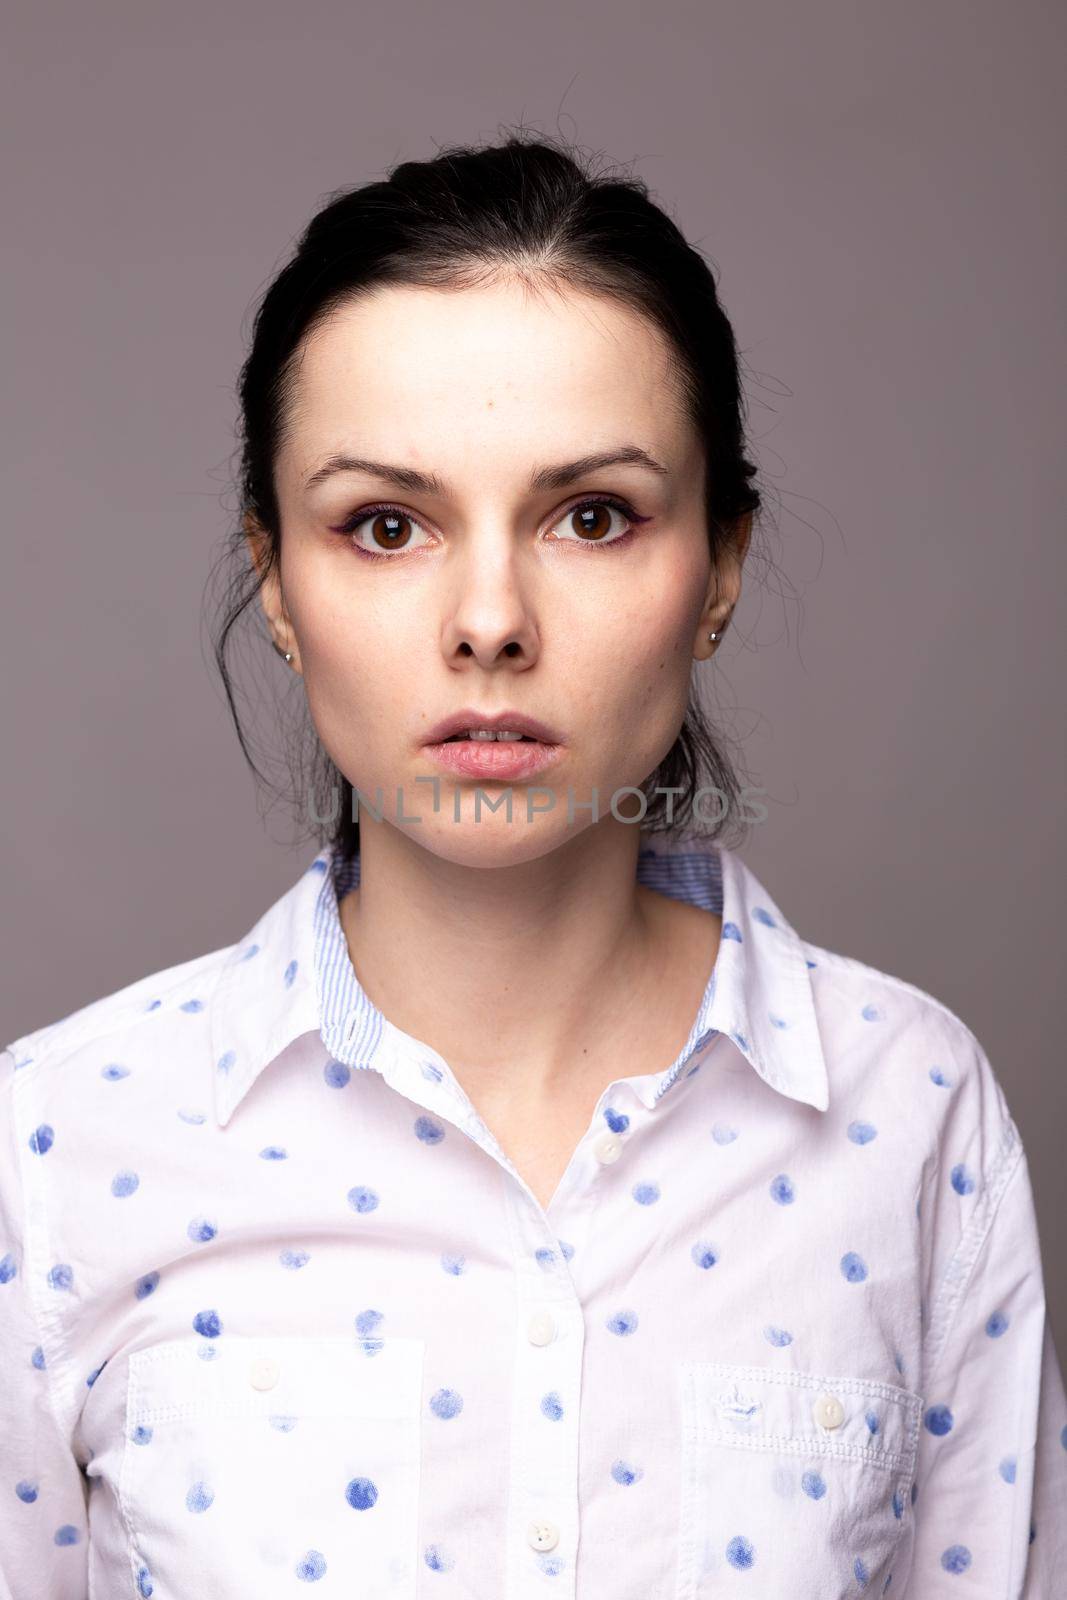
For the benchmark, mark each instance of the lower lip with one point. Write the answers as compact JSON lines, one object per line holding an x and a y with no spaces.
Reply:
{"x":494,"y":758}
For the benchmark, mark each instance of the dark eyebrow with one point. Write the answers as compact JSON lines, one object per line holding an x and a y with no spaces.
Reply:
{"x":413,"y":481}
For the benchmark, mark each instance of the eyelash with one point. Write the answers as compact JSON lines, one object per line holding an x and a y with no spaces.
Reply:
{"x":349,"y":526}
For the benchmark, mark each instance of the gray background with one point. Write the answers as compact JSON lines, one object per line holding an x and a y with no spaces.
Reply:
{"x":877,"y":187}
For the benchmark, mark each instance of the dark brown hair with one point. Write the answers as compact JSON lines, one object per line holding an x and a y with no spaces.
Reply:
{"x":526,"y":208}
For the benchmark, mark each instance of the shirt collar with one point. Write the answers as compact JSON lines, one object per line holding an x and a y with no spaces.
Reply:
{"x":291,"y":974}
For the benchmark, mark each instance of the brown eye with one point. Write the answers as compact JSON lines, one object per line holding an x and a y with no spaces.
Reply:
{"x":592,"y":522}
{"x":390,"y":530}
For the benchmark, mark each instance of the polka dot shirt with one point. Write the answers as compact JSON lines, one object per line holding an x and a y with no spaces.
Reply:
{"x":277,"y":1311}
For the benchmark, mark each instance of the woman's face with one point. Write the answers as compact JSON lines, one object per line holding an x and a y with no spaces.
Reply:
{"x":469,"y":578}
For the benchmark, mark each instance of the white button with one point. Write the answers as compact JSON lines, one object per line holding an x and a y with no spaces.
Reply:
{"x":541,"y":1328}
{"x":543,"y":1535}
{"x":263,"y":1373}
{"x":828,"y":1411}
{"x":608,"y":1147}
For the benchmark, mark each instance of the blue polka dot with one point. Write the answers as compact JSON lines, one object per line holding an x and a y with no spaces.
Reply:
{"x":623,"y":1322}
{"x":153,"y":1005}
{"x":253,"y":950}
{"x":8,"y":1268}
{"x":872,"y":1422}
{"x":550,"y":1565}
{"x":1007,"y":1469}
{"x":957,"y":1558}
{"x":730,"y":930}
{"x":192,"y":1005}
{"x":67,"y":1534}
{"x":545,"y":1257}
{"x":997,"y":1324}
{"x":281,"y":1423}
{"x":961,"y":1179}
{"x":703,"y":1255}
{"x":446,"y":1403}
{"x":429,"y":1130}
{"x":361,"y":1494}
{"x":898,"y":1504}
{"x":432,"y":1071}
{"x":26,"y":1491}
{"x":938,"y":1077}
{"x":739,"y":1040}
{"x":862,"y":1132}
{"x":336,"y":1074}
{"x":124,"y":1183}
{"x":144,"y":1583}
{"x":113,"y":1071}
{"x":41,"y":1139}
{"x":853,"y":1266}
{"x":871,"y":1013}
{"x":739,"y":1552}
{"x":226,"y":1061}
{"x":626,"y":1474}
{"x":199,"y":1497}
{"x":779,"y":1337}
{"x":566,"y":1249}
{"x":195,"y":1117}
{"x":1063,"y":1436}
{"x":722,"y":1133}
{"x":274,"y":1152}
{"x":552,"y":1406}
{"x":938,"y":1420}
{"x":782,"y":1190}
{"x":453,"y":1265}
{"x":91,"y":1379}
{"x":141,"y":1434}
{"x":813,"y":1485}
{"x":61,"y":1276}
{"x":617,"y":1121}
{"x":646,"y":1194}
{"x":311,"y":1566}
{"x":289,"y":974}
{"x":777,"y":1022}
{"x":201,"y":1230}
{"x":209,"y":1323}
{"x":368,"y":1322}
{"x":362,"y":1199}
{"x":146,"y":1286}
{"x":859,"y":1568}
{"x":37,"y":1358}
{"x":293,"y":1260}
{"x":760,"y":915}
{"x":437,"y":1560}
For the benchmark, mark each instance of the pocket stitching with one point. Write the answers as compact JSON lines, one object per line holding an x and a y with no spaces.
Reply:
{"x":910,"y":1404}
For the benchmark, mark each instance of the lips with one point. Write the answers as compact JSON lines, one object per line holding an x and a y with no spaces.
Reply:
{"x":460,"y":722}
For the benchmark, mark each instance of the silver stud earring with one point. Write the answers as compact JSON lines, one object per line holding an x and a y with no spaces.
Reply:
{"x":712,"y":637}
{"x":287,"y":655}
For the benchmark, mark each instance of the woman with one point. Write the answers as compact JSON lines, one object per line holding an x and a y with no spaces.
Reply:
{"x":522,"y":1198}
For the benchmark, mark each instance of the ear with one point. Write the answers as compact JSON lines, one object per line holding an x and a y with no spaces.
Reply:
{"x":724,"y":590}
{"x":271,"y":598}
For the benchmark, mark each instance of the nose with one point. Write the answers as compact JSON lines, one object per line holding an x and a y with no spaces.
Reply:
{"x":489,"y":614}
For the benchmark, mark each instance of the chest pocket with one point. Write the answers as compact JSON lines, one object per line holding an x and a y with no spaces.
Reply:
{"x":277,"y":1459}
{"x":803,"y":1478}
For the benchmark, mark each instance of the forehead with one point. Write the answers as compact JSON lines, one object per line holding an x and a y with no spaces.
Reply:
{"x":427,"y":370}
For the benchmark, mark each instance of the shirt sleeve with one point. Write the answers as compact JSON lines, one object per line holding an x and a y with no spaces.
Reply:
{"x":44,"y":1528}
{"x":990,"y":1495}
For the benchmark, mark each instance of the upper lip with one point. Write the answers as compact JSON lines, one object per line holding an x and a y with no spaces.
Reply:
{"x":499,"y":722}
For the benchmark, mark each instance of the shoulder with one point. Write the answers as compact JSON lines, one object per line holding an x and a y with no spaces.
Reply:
{"x":143,"y":1019}
{"x":886,"y":1037}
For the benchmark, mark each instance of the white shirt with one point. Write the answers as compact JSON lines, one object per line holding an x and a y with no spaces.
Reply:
{"x":276,"y":1309}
